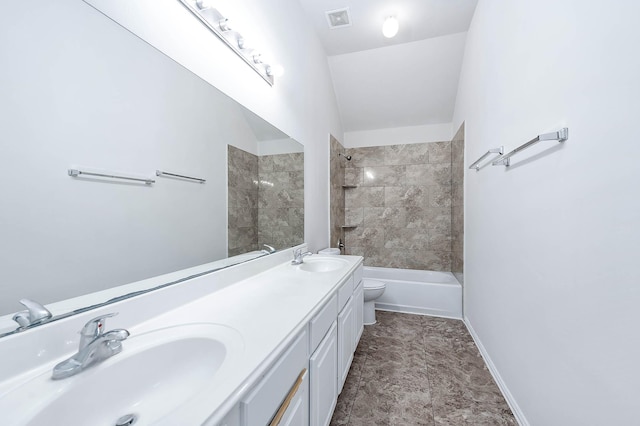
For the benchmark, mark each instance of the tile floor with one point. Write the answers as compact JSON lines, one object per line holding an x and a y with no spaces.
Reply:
{"x":419,"y":370}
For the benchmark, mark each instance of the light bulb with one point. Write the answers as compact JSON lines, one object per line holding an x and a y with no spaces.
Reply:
{"x":390,"y":27}
{"x":202,"y":4}
{"x":224,"y":24}
{"x":274,"y":70}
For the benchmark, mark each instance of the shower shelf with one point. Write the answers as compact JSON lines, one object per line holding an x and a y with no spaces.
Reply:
{"x":349,"y":186}
{"x":349,"y":226}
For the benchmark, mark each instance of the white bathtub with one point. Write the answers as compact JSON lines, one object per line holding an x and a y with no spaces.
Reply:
{"x":418,"y":292}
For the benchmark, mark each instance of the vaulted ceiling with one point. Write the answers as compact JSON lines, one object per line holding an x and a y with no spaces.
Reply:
{"x":407,"y":80}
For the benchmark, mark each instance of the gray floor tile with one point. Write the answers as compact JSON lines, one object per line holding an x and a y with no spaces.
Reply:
{"x":419,"y":370}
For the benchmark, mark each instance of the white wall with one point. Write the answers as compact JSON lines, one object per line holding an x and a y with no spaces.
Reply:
{"x":301,"y":103}
{"x":398,"y":135}
{"x":399,"y":85}
{"x":551,"y":245}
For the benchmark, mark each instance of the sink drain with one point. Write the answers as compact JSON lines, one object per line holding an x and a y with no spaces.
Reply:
{"x":127,"y":420}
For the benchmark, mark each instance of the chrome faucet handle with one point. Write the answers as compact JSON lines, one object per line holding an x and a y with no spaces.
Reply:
{"x":35,"y":313}
{"x":93,"y":329}
{"x":298,"y":256}
{"x":269,"y":248}
{"x":104,"y":346}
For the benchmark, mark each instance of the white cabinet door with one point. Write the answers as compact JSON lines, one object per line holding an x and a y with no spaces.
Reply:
{"x":358,"y":302}
{"x":345,"y":342}
{"x":323,"y":375}
{"x":297,"y":413}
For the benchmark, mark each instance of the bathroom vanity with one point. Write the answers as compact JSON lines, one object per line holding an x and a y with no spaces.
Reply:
{"x":264,"y":342}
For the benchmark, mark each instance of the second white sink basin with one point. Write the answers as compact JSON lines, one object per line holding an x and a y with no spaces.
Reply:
{"x":157,"y":377}
{"x":322,"y":264}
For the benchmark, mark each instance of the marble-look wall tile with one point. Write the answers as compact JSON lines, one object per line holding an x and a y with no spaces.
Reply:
{"x":242,"y":203}
{"x":353,"y":176}
{"x":417,"y":153}
{"x":384,"y":176}
{"x":266,"y":200}
{"x":429,"y":174}
{"x":367,"y":156}
{"x":431,"y":260}
{"x":281,"y":200}
{"x":354,"y":251}
{"x":385,"y":217}
{"x":403,"y":205}
{"x":281,"y":162}
{"x":406,"y":196}
{"x":440,"y":152}
{"x":440,"y":196}
{"x":364,"y":237}
{"x":364,"y":197}
{"x":457,"y":209}
{"x":404,"y":238}
{"x":339,"y":176}
{"x":354,"y":216}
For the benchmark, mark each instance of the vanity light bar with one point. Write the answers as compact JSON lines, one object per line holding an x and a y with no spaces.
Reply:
{"x":219,"y":25}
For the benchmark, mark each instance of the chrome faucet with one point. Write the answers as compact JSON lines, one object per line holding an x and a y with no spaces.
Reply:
{"x":298,"y":256}
{"x":96,"y":345}
{"x":35,"y":314}
{"x":268,"y":249}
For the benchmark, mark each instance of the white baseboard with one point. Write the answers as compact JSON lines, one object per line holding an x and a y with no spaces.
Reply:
{"x":515,"y":408}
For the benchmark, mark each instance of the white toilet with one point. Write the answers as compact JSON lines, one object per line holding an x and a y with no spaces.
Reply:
{"x":372,"y":290}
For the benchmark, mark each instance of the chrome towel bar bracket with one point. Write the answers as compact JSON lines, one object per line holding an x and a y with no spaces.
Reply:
{"x":560,"y":136}
{"x":476,"y":164}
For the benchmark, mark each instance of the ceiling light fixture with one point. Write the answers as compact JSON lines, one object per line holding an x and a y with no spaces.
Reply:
{"x":219,"y":25}
{"x":390,"y":27}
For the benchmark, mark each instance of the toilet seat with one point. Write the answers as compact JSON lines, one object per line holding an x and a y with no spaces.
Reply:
{"x":370,"y":284}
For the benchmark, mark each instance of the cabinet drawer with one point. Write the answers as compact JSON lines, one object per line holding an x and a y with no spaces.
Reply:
{"x":259,"y":407}
{"x":344,"y":292}
{"x":295,"y":409}
{"x":322,"y":322}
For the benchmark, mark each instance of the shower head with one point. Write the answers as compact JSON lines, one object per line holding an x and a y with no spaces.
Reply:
{"x":348,"y":157}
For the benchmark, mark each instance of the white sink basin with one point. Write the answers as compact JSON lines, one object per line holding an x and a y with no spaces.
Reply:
{"x":322,"y":264}
{"x":158,"y":376}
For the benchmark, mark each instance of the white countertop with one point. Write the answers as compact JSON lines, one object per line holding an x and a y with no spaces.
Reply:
{"x":268,"y":307}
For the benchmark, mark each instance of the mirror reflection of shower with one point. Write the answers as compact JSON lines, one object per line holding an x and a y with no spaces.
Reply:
{"x":348,"y":157}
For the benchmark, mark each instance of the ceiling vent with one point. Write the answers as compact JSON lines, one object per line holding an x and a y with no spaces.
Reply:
{"x":338,"y":18}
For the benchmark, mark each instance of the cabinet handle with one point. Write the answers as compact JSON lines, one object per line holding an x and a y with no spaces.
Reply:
{"x":285,"y":405}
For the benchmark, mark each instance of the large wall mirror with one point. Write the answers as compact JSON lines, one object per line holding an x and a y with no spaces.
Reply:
{"x":79,"y":92}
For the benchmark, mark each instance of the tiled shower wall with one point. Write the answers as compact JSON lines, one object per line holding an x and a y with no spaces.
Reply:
{"x":243,"y":201}
{"x":266,"y":200}
{"x":336,"y":192}
{"x":457,"y":205}
{"x":281,"y":200}
{"x":402,"y":205}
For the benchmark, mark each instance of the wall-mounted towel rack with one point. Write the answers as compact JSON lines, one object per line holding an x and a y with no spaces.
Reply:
{"x":560,"y":136}
{"x":78,"y":172}
{"x":476,"y":164}
{"x":161,"y":173}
